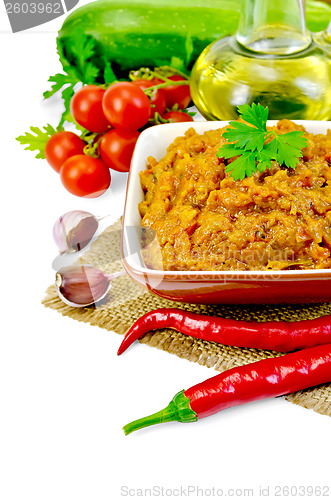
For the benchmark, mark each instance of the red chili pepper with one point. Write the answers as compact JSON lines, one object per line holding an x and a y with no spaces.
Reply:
{"x":275,"y":335}
{"x":264,"y":379}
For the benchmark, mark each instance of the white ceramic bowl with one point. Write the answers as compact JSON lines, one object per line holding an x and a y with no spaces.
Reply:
{"x":210,"y":286}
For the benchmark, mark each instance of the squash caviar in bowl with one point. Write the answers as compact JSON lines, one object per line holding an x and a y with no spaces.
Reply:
{"x":206,"y":220}
{"x":228,"y":230}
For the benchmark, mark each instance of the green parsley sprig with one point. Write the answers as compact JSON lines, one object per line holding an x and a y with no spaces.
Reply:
{"x":251,"y":142}
{"x":84,"y":71}
{"x":37,"y":140}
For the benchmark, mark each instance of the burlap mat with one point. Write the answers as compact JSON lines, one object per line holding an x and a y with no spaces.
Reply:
{"x":126,"y":302}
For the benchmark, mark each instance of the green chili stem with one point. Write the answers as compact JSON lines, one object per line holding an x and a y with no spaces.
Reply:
{"x":177,"y":410}
{"x":166,"y":415}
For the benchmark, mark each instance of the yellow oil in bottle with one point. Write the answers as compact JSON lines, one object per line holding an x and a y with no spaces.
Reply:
{"x":292,"y":87}
{"x":271,"y":60}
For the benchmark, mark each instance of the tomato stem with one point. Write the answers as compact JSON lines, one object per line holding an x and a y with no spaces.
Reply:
{"x":157,"y":119}
{"x":92,"y":146}
{"x":167,"y":83}
{"x":174,"y":71}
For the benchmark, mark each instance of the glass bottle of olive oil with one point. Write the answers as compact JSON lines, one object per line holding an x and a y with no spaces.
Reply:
{"x":272,"y":60}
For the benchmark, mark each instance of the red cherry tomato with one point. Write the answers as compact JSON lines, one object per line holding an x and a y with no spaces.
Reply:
{"x":158,"y":100}
{"x":126,"y":106}
{"x":86,"y":108}
{"x":61,"y":146}
{"x":116,"y":148}
{"x":85,"y":176}
{"x":177,"y":116}
{"x":179,"y":94}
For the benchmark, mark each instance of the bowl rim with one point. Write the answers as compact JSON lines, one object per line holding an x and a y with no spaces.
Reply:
{"x":220,"y":274}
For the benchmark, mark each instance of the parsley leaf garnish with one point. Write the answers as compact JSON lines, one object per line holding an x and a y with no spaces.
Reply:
{"x":37,"y":140}
{"x":255,"y":146}
{"x":82,"y":71}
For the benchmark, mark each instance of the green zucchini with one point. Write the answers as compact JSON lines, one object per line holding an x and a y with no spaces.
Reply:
{"x":135,"y":33}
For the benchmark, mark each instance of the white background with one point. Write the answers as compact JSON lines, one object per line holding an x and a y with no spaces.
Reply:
{"x":65,"y":395}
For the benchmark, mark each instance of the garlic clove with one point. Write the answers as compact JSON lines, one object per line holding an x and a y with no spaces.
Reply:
{"x":81,"y":286}
{"x":74,"y":230}
{"x":80,"y":236}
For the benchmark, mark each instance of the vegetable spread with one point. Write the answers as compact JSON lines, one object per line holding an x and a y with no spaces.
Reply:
{"x":206,"y":220}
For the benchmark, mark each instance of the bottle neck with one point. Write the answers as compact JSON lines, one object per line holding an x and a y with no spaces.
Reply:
{"x":273,"y":26}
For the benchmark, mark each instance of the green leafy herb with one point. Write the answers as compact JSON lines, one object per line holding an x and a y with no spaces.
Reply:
{"x":83,"y":71}
{"x":37,"y":140}
{"x":255,"y":146}
{"x":109,"y":75}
